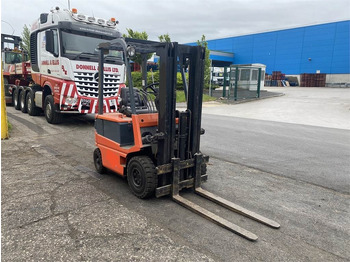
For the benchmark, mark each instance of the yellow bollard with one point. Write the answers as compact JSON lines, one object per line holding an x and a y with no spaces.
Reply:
{"x":4,"y":127}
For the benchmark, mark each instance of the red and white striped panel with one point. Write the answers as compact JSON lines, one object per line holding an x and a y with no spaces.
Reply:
{"x":68,"y":91}
{"x":108,"y":103}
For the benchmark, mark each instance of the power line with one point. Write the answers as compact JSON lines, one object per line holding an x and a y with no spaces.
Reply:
{"x":9,"y":25}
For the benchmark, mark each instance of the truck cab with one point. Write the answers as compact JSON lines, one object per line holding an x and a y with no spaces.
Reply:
{"x":64,"y":65}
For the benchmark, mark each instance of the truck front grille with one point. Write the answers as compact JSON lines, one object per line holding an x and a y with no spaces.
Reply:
{"x":87,"y":84}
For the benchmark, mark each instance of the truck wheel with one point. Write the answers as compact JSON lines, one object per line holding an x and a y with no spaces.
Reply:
{"x":98,"y":162}
{"x":31,"y":108}
{"x":51,"y":115}
{"x":6,"y":85}
{"x":142,"y":177}
{"x":23,"y":101}
{"x":16,"y":103}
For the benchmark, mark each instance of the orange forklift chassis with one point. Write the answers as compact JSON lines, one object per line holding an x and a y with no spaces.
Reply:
{"x":114,"y":156}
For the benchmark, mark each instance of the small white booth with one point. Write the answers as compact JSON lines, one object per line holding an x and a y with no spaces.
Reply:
{"x":248,"y":75}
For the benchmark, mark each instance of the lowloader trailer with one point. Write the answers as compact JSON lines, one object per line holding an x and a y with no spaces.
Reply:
{"x":153,"y":145}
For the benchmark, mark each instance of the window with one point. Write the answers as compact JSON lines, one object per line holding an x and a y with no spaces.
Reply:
{"x":245,"y":75}
{"x":55,"y":42}
{"x":84,"y":46}
{"x":13,"y":57}
{"x":51,"y":42}
{"x":255,"y":74}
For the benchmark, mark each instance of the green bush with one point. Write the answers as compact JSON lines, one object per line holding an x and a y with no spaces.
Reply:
{"x":180,"y":95}
{"x":179,"y":85}
{"x":137,"y":79}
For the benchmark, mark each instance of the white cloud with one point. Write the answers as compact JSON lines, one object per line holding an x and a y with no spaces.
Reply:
{"x":186,"y":21}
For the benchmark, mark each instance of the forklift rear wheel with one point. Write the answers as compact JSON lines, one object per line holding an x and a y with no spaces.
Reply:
{"x":98,"y":161}
{"x":142,"y":177}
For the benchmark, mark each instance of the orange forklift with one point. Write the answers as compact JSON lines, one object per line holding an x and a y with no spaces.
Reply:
{"x":153,"y":145}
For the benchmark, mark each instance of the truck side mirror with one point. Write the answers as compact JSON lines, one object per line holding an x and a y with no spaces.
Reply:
{"x":51,"y":41}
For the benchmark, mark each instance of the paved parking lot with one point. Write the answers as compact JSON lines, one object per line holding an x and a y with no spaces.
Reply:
{"x":316,"y":106}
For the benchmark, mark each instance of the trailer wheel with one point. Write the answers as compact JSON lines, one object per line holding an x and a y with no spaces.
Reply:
{"x":6,"y":85}
{"x":31,"y":108}
{"x":16,"y":103}
{"x":23,"y":101}
{"x":142,"y":177}
{"x":51,"y":115}
{"x":98,"y":161}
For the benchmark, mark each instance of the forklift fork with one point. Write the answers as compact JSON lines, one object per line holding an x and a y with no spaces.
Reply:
{"x":216,"y":199}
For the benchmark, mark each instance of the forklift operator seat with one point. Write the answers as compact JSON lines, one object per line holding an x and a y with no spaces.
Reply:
{"x":140,"y":103}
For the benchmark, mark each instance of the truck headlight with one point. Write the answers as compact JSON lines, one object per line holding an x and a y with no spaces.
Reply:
{"x":71,"y":100}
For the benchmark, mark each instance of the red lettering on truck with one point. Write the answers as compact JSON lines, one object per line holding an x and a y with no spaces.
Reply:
{"x":94,"y":68}
{"x":86,"y":67}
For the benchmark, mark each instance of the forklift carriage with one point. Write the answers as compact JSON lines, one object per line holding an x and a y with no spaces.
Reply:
{"x":153,"y":145}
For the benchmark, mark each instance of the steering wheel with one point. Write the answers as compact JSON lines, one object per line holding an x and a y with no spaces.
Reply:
{"x":153,"y":88}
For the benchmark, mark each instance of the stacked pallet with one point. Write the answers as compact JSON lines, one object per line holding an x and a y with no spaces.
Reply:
{"x":278,"y":78}
{"x":313,"y":80}
{"x":277,"y":75}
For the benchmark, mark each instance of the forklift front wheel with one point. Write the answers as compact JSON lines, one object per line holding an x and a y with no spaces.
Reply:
{"x":98,"y":161}
{"x":142,"y":177}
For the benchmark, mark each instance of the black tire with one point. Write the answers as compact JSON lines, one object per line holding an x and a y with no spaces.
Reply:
{"x":31,"y":108}
{"x":98,"y":161}
{"x":50,"y":111}
{"x":16,"y":103}
{"x":23,"y":101}
{"x":6,"y":85}
{"x":142,"y":177}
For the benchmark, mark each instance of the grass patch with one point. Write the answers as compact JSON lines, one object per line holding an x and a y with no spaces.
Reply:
{"x":180,"y":97}
{"x":9,"y":126}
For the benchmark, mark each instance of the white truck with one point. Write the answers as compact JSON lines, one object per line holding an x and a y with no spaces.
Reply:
{"x":64,"y":66}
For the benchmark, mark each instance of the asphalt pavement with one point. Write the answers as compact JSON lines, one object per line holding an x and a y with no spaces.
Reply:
{"x":55,"y":207}
{"x":316,"y":155}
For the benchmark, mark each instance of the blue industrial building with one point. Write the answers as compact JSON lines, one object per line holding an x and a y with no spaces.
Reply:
{"x":320,"y":48}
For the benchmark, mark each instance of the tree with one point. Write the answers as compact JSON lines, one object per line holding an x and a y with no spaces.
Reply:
{"x":164,"y":38}
{"x":25,"y":44}
{"x":207,"y":61}
{"x":137,"y":35}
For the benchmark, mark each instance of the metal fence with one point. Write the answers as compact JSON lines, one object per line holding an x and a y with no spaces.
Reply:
{"x":241,"y":82}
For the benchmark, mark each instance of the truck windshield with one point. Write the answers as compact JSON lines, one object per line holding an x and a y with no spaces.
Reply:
{"x":84,"y":47}
{"x":13,"y":57}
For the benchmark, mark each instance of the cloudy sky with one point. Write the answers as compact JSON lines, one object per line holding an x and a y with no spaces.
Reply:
{"x":185,"y":21}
